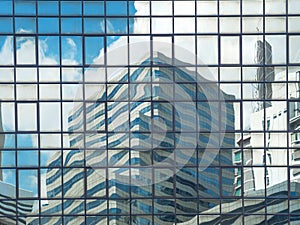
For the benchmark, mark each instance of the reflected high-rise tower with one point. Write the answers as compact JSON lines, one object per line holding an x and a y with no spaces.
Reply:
{"x":265,"y":73}
{"x":294,"y":122}
{"x":2,"y":137}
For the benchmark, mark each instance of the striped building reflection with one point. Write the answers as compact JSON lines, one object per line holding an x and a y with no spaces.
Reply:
{"x":280,"y":206}
{"x":110,"y":150}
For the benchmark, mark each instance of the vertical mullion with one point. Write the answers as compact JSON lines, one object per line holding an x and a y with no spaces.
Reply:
{"x":61,"y":112}
{"x":38,"y":109}
{"x":173,"y":108}
{"x":106,"y":114}
{"x":218,"y":79}
{"x":129,"y":117}
{"x":16,"y":110}
{"x":242,"y":196}
{"x":152,"y":105}
{"x":288,"y":150}
{"x":197,"y":116}
{"x":264,"y":112}
{"x":84,"y":111}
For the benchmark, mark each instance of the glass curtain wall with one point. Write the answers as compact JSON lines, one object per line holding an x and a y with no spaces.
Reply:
{"x":150,"y":112}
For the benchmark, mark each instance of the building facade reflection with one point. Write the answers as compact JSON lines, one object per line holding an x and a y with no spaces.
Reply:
{"x":108,"y":138}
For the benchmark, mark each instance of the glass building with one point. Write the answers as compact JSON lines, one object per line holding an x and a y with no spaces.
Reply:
{"x":149,"y":112}
{"x":167,"y":173}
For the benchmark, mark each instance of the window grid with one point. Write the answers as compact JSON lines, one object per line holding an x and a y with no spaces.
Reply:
{"x":36,"y":102}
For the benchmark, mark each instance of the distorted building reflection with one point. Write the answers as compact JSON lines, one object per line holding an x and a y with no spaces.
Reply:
{"x":109,"y":138}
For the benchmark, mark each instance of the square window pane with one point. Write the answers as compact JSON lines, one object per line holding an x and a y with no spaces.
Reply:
{"x":9,"y":116}
{"x":71,"y":47}
{"x":50,"y":141}
{"x":140,"y":92}
{"x":230,"y":74}
{"x":161,"y":8}
{"x":118,"y":158}
{"x":49,"y":91}
{"x":116,"y":8}
{"x":93,"y":8}
{"x":252,"y":24}
{"x":252,"y":7}
{"x":90,"y":90}
{"x":94,"y":26}
{"x":116,"y":26}
{"x":45,"y":156}
{"x":26,"y":53}
{"x":275,"y":25}
{"x":95,"y":118}
{"x":139,"y":25}
{"x":49,"y":50}
{"x":49,"y":74}
{"x":275,"y":7}
{"x":162,"y":25}
{"x":97,"y":158}
{"x":163,"y":45}
{"x":207,"y":25}
{"x":293,"y":24}
{"x":70,"y":74}
{"x":229,"y":25}
{"x":93,"y":46}
{"x":6,"y":25}
{"x":230,"y":50}
{"x":294,"y":7}
{"x":180,"y":25}
{"x":25,"y":25}
{"x":6,"y":7}
{"x":184,"y":8}
{"x":24,"y":74}
{"x":28,"y":158}
{"x":96,"y":183}
{"x":207,"y":7}
{"x":71,"y":92}
{"x":113,"y":137}
{"x":48,"y":25}
{"x":10,"y":156}
{"x":229,"y":7}
{"x":278,"y":48}
{"x":71,"y":190}
{"x":207,"y":49}
{"x":49,"y":8}
{"x":250,"y":49}
{"x":26,"y":92}
{"x":29,"y":180}
{"x":80,"y":210}
{"x":294,"y":49}
{"x":233,"y":89}
{"x":121,"y":124}
{"x":7,"y":75}
{"x":71,"y":25}
{"x":27,"y":117}
{"x":118,"y":57}
{"x":71,"y":8}
{"x":142,"y":7}
{"x":7,"y":92}
{"x":7,"y":56}
{"x":135,"y":57}
{"x":47,"y":124}
{"x":95,"y":75}
{"x":25,"y":7}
